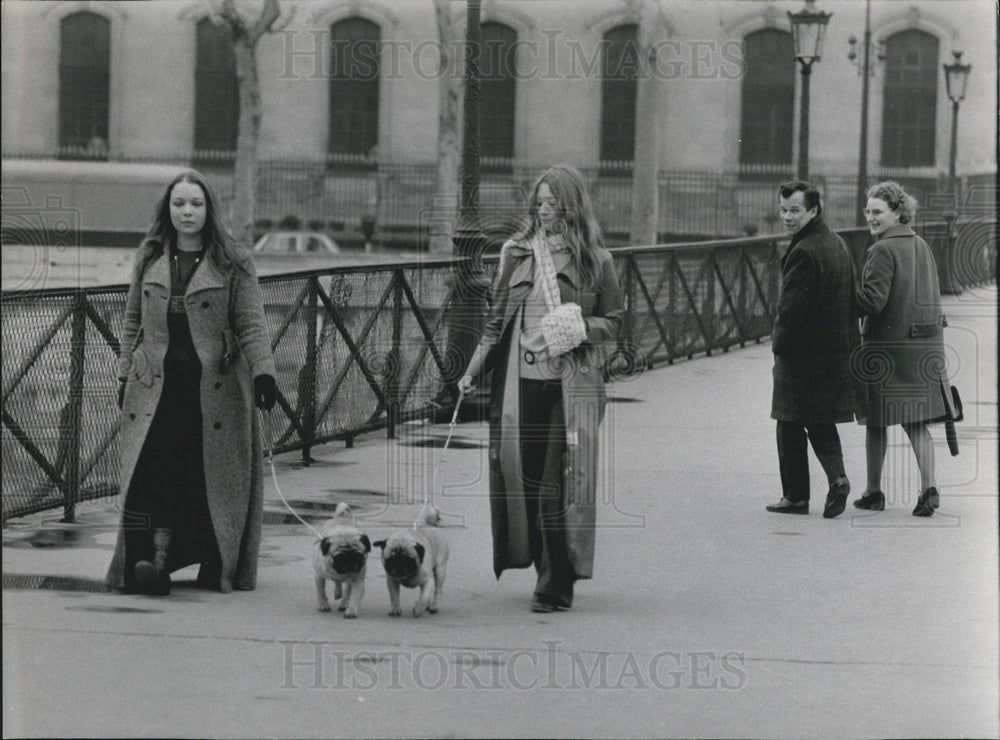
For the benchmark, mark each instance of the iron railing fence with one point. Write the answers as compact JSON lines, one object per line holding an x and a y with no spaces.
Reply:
{"x":334,"y":194}
{"x":356,"y":349}
{"x":362,"y":348}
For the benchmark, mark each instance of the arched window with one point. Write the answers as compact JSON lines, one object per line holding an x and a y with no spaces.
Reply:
{"x":499,"y":89}
{"x":909,"y":111}
{"x":619,"y":72}
{"x":767,"y":101}
{"x":216,"y":93}
{"x":354,"y":86}
{"x":84,"y":75}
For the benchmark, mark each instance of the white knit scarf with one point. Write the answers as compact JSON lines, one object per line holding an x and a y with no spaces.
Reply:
{"x":545,"y":271}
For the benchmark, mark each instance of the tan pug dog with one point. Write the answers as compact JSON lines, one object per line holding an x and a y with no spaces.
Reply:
{"x":342,"y":557}
{"x":416,"y":558}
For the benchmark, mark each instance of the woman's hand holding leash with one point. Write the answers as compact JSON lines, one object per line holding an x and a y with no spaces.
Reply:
{"x":265,"y":392}
{"x":465,"y":386}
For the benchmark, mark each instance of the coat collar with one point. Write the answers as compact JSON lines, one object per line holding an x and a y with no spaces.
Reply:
{"x":816,"y":226}
{"x":897,"y":230}
{"x":524,"y":270}
{"x":205,"y":277}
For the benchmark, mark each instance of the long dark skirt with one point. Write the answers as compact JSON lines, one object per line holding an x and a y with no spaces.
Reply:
{"x":168,"y":486}
{"x":543,"y":454}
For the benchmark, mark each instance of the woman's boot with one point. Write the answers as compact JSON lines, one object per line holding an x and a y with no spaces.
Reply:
{"x":152,"y":577}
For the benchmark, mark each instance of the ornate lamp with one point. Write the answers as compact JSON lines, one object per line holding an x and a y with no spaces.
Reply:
{"x":956,"y":78}
{"x":808,"y":29}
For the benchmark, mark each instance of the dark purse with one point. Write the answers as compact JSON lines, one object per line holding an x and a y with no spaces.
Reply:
{"x":230,"y":351}
{"x":952,"y":413}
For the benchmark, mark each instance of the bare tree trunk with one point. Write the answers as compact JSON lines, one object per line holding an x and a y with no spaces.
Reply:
{"x":444,"y":205}
{"x":245,"y":38}
{"x":646,"y":163}
{"x":245,"y":175}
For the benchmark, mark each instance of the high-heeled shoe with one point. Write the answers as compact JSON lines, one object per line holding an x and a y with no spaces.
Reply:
{"x":928,"y":501}
{"x":871,"y":500}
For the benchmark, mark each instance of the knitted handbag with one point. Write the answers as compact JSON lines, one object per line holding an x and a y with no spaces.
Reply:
{"x":563,"y":327}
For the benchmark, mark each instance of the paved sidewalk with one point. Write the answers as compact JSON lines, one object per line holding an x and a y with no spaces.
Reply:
{"x":707,"y":616}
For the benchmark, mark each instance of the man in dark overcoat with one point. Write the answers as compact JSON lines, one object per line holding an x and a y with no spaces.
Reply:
{"x":815,"y":333}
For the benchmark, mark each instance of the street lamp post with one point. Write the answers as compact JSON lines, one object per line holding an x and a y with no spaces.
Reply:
{"x":808,"y":27}
{"x":956,"y":78}
{"x":865,"y":69}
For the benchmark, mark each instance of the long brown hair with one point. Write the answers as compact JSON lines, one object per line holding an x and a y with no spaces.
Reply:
{"x":219,"y":245}
{"x":576,"y":210}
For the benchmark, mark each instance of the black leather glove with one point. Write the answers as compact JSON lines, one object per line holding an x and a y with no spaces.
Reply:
{"x":265,"y":392}
{"x":121,"y":394}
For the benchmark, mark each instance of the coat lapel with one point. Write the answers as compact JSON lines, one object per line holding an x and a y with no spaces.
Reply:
{"x":206,"y":276}
{"x":158,"y":273}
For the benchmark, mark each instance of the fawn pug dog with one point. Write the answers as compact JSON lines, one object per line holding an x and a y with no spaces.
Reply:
{"x":341,"y":557}
{"x":416,"y":558}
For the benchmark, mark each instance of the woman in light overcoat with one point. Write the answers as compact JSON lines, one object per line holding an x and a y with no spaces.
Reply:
{"x":546,"y":410}
{"x":194,"y":337}
{"x":902,"y":362}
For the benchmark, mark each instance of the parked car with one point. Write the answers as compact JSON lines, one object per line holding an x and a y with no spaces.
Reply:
{"x":295,"y":242}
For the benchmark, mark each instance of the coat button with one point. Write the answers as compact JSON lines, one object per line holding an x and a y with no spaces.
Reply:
{"x":218,"y":425}
{"x":132,"y":416}
{"x":206,"y":304}
{"x":584,"y":369}
{"x":146,"y":293}
{"x":218,"y":385}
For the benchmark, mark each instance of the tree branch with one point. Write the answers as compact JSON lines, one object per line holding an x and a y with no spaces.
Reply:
{"x":279,"y":27}
{"x":268,"y":15}
{"x":232,"y":16}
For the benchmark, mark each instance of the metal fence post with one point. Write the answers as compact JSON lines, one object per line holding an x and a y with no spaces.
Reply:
{"x":672,"y":329}
{"x":307,"y":378}
{"x":711,"y":322}
{"x":629,"y":340}
{"x":392,"y":361}
{"x":70,"y":427}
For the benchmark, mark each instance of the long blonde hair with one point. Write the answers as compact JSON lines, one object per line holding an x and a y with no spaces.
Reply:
{"x":576,"y":211}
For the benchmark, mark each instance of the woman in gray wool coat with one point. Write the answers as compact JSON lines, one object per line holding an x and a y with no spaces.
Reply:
{"x":194,"y":336}
{"x":902,"y":360}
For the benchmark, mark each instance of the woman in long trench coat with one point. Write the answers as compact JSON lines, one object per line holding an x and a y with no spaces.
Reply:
{"x":903,"y":361}
{"x":545,"y":411}
{"x":191,"y":473}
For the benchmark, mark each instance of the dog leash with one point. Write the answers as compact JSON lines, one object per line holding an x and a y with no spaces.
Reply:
{"x":269,"y":450}
{"x":428,"y":499}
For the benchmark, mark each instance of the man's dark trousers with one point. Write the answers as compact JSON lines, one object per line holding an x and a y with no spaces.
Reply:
{"x":793,"y":458}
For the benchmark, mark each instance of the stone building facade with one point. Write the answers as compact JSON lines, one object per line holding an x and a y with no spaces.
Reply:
{"x":351,"y":86}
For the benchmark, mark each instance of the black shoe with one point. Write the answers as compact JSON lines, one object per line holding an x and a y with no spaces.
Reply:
{"x":928,"y":501}
{"x":542,"y":607}
{"x":544,"y":604}
{"x":209,"y":577}
{"x":789,"y":507}
{"x":836,"y":498}
{"x":148,"y":580}
{"x":872,"y":501}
